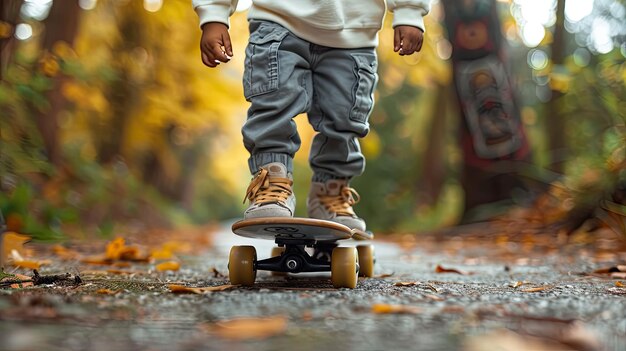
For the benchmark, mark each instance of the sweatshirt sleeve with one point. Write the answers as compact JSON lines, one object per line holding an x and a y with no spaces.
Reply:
{"x":409,"y":12}
{"x":214,"y":10}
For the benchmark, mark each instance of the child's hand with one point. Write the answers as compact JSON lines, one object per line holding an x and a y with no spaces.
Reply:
{"x":407,"y":40}
{"x":215,"y":44}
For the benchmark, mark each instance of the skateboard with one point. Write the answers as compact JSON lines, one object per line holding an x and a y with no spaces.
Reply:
{"x":293,"y":236}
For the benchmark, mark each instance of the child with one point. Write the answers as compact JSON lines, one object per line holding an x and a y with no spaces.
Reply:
{"x":316,"y":57}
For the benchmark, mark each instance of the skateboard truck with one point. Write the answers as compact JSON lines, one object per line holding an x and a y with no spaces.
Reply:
{"x":295,"y":259}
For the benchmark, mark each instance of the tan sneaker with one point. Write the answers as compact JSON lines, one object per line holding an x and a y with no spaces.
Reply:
{"x":270,"y":193}
{"x":333,"y":201}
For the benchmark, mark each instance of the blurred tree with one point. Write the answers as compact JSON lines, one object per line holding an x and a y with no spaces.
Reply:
{"x":556,"y":119}
{"x":61,"y":27}
{"x":492,"y":136}
{"x":9,"y":14}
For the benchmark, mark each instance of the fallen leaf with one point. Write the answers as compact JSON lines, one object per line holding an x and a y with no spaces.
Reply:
{"x":181,"y":289}
{"x":168,"y":266}
{"x":619,"y":284}
{"x":406,"y":283}
{"x":107,"y":291}
{"x":123,"y":271}
{"x":382,"y":308}
{"x":6,"y":278}
{"x":537,"y":289}
{"x":249,"y":328}
{"x":27,"y":264}
{"x":517,"y":284}
{"x":434,"y":297}
{"x":11,"y":241}
{"x":453,"y":309}
{"x":432,"y":287}
{"x":440,"y":269}
{"x":612,"y":269}
{"x":97,"y":259}
{"x":385,"y":275}
{"x":117,"y":250}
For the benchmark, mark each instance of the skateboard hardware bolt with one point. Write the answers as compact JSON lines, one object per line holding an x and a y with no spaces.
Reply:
{"x":292,"y":264}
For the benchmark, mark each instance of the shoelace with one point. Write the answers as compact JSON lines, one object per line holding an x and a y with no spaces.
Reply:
{"x":264,"y":189}
{"x":341,"y":204}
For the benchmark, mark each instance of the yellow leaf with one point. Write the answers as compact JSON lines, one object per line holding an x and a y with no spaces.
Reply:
{"x":181,"y":289}
{"x":161,"y":254}
{"x":249,"y":328}
{"x":11,"y":241}
{"x":382,"y":308}
{"x":168,"y":266}
{"x":27,"y":264}
{"x":620,"y":284}
{"x":107,"y":291}
{"x":537,"y":289}
{"x":114,"y":248}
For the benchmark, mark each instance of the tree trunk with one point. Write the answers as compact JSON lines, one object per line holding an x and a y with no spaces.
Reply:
{"x":434,"y":167}
{"x":61,"y":25}
{"x":555,"y":124}
{"x":123,"y":94}
{"x":9,"y":14}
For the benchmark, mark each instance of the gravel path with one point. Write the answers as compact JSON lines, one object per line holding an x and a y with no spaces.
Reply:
{"x":504,"y":295}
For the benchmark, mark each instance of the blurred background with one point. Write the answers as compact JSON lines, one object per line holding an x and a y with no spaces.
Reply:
{"x":109,"y":121}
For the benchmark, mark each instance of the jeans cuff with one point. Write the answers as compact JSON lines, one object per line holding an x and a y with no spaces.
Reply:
{"x":323,"y":177}
{"x":255,"y":162}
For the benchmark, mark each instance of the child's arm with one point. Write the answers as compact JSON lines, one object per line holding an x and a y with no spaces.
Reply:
{"x":408,"y":24}
{"x":215,"y":46}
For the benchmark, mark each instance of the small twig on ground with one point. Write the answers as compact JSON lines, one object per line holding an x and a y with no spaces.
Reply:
{"x":55,"y":279}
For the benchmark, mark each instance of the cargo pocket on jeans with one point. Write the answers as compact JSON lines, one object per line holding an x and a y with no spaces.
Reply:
{"x":363,"y":91}
{"x":261,"y":63}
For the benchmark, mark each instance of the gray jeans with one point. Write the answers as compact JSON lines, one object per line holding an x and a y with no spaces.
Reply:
{"x":285,"y":76}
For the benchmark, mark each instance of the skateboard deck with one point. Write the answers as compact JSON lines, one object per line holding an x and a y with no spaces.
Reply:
{"x":292,"y":229}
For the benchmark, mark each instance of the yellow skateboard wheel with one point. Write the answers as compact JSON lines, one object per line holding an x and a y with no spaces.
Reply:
{"x":343,"y":267}
{"x":366,"y":260}
{"x":241,"y":265}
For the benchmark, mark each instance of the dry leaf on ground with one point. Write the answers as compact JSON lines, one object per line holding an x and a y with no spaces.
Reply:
{"x":107,"y":291}
{"x":168,"y":266}
{"x":27,"y":264}
{"x":612,"y":269}
{"x":249,"y":328}
{"x":516,"y":284}
{"x":27,"y":281}
{"x":538,"y":288}
{"x":406,"y":284}
{"x":181,"y":289}
{"x":384,"y":275}
{"x":11,"y":245}
{"x":383,"y":308}
{"x":440,"y":269}
{"x":619,"y":284}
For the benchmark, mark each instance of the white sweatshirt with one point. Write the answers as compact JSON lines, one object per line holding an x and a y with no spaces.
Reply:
{"x":333,"y":23}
